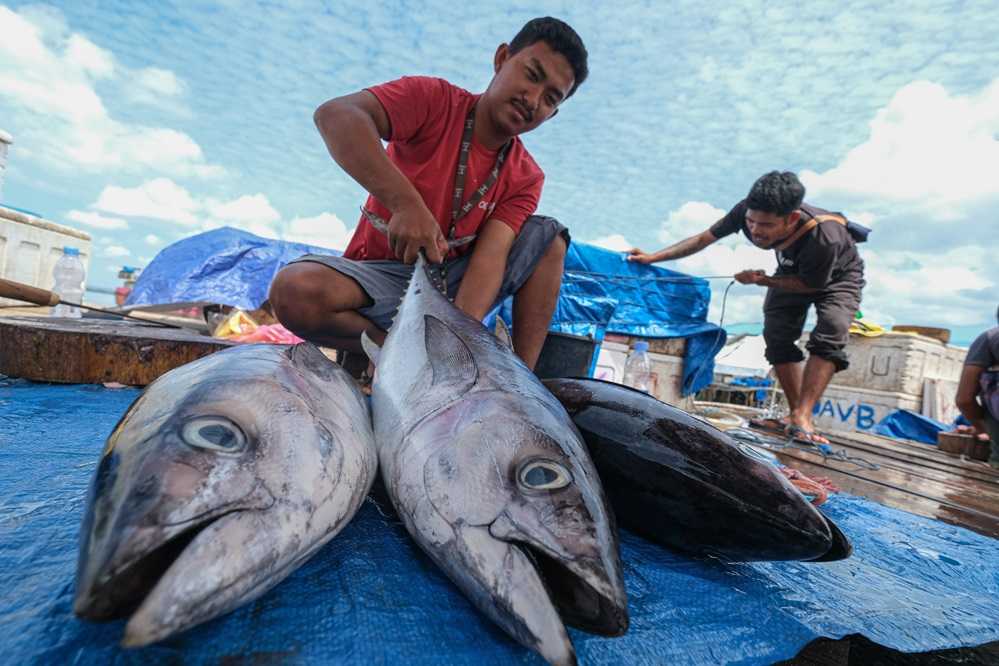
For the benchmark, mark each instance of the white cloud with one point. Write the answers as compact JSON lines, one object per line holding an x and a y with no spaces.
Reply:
{"x":615,"y":242}
{"x":96,"y":220}
{"x":48,"y":79}
{"x":247,"y":209}
{"x":689,"y":219}
{"x":928,"y":151}
{"x":925,"y":181}
{"x":162,"y":199}
{"x":116,"y":251}
{"x":89,"y":57}
{"x":158,"y":199}
{"x":159,"y":81}
{"x":324,"y":230}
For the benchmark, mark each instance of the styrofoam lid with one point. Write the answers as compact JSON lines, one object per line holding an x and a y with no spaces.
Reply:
{"x":6,"y":138}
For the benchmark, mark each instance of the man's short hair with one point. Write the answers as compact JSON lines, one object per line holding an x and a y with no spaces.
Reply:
{"x":779,"y":193}
{"x":560,"y":36}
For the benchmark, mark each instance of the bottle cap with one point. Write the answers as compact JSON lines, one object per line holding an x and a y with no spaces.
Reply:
{"x":641,"y":346}
{"x":71,"y":251}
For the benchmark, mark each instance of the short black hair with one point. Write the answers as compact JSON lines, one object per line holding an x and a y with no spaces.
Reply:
{"x":560,"y":36}
{"x":780,"y":193}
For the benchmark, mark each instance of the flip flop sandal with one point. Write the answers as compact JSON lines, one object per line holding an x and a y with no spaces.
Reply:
{"x":775,"y":426}
{"x":799,"y":434}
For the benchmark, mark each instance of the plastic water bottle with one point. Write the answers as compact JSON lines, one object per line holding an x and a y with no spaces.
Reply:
{"x":638,"y":368}
{"x":69,"y":274}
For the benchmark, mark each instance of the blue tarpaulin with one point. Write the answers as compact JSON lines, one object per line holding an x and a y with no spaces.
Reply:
{"x":371,"y":596}
{"x":910,"y":425}
{"x":235,"y":267}
{"x":222,"y":266}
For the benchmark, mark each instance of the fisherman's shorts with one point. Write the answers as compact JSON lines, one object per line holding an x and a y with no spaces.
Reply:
{"x":784,"y":314}
{"x":385,"y":281}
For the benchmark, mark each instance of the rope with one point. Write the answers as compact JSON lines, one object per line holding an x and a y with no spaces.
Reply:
{"x":608,"y":277}
{"x":824,"y":450}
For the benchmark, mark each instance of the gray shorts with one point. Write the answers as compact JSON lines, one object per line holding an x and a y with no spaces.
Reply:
{"x":385,"y":281}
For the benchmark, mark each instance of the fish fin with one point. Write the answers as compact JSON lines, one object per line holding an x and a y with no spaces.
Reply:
{"x":450,"y":358}
{"x":503,"y":333}
{"x":370,"y":347}
{"x":308,"y":356}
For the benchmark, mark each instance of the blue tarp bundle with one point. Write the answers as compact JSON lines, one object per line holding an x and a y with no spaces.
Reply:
{"x":651,"y":302}
{"x":370,"y":595}
{"x":235,"y":267}
{"x":910,"y":425}
{"x":222,"y":266}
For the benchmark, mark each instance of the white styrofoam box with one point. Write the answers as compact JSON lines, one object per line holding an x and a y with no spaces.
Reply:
{"x":899,"y":362}
{"x":856,"y":409}
{"x":939,"y":396}
{"x":30,"y":246}
{"x":667,"y":372}
{"x":5,"y":141}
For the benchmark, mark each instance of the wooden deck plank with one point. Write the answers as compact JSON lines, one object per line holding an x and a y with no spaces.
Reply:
{"x":925,"y":482}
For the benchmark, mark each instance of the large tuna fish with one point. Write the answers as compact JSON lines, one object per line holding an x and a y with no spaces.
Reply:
{"x":222,"y":477}
{"x":685,"y":484}
{"x":491,"y":478}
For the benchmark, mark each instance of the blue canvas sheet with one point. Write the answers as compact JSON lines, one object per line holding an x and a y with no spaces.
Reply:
{"x":904,"y":424}
{"x":370,"y":596}
{"x":601,"y":291}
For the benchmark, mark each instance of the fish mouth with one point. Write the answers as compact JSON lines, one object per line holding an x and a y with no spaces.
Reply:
{"x":576,"y":594}
{"x":116,"y":588}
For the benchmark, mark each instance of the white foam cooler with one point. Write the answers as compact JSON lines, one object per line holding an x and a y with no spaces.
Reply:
{"x":30,"y":246}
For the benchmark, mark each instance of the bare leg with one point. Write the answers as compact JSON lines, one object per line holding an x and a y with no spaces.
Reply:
{"x":320,"y":304}
{"x":534,"y":304}
{"x":789,"y":376}
{"x":818,"y":373}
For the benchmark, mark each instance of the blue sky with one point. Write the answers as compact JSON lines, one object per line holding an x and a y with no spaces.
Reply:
{"x":143,"y":122}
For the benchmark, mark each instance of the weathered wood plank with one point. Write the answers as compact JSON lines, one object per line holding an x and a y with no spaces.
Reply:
{"x":95,"y":351}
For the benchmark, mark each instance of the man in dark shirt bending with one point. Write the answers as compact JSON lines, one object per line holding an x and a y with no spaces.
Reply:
{"x":817,"y":264}
{"x":978,"y":390}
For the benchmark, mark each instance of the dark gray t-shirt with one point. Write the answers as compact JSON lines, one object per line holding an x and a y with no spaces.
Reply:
{"x":984,"y":351}
{"x":825,"y":255}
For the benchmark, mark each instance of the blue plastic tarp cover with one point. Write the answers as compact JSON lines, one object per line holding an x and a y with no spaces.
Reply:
{"x":371,"y":596}
{"x":221,"y":266}
{"x":236,"y":268}
{"x":909,"y":425}
{"x":651,"y":302}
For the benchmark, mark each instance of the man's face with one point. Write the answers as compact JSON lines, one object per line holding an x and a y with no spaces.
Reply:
{"x":528,"y":87}
{"x":769,"y":229}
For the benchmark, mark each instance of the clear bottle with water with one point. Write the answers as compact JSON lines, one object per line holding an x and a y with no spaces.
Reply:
{"x":69,"y":274}
{"x":638,"y":368}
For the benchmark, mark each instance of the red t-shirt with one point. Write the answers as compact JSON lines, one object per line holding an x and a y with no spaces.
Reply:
{"x":427,"y":117}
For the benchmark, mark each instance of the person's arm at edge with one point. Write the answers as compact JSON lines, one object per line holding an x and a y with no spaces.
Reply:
{"x":684,"y":248}
{"x":352,"y":127}
{"x":967,"y":396}
{"x":484,"y":276}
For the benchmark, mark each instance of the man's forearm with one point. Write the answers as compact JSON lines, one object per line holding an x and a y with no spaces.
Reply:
{"x":481,"y":283}
{"x":786,"y":283}
{"x":353,"y":142}
{"x":479,"y":287}
{"x":684,"y":248}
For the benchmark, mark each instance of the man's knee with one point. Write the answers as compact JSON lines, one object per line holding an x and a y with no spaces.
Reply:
{"x":834,"y":353}
{"x":555,"y":254}
{"x":780,"y":351}
{"x":303,"y":293}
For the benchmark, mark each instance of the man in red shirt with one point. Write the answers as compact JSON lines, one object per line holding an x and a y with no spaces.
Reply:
{"x":454,"y":170}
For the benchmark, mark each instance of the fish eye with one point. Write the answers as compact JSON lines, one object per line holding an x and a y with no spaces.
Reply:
{"x":543,"y":475}
{"x":213,"y":433}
